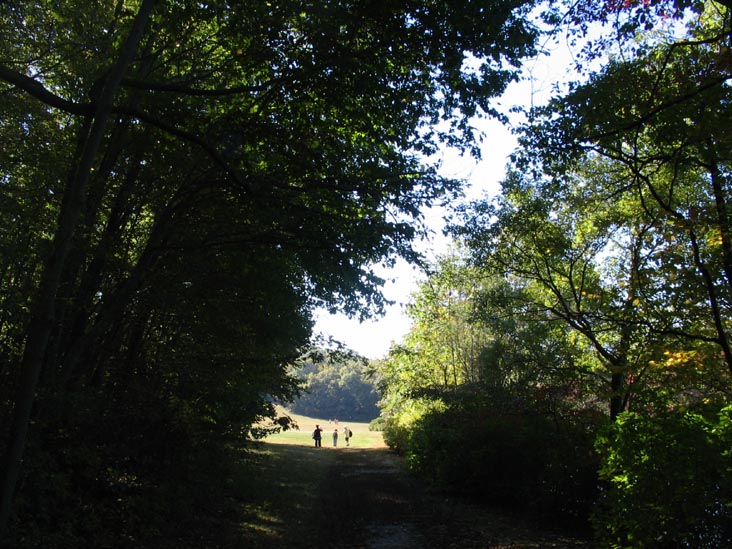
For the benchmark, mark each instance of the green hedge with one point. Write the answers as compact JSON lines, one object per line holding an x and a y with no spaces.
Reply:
{"x":526,"y":462}
{"x":668,"y":481}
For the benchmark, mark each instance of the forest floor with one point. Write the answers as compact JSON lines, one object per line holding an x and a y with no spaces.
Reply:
{"x":363,"y":496}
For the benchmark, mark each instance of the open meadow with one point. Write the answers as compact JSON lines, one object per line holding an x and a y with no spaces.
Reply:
{"x":302,"y":436}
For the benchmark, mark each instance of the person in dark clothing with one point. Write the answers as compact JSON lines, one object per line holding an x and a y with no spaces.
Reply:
{"x":316,"y":436}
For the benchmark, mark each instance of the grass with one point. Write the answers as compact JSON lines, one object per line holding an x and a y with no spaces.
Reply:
{"x":281,"y":493}
{"x":362,"y":437}
{"x":282,"y":487}
{"x":292,"y":495}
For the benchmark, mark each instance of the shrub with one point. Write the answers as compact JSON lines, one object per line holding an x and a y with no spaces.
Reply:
{"x":668,"y":481}
{"x":396,"y":436}
{"x":378,"y":424}
{"x":522,"y":461}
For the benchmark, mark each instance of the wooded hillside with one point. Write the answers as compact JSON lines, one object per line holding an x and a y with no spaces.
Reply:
{"x":336,"y":385}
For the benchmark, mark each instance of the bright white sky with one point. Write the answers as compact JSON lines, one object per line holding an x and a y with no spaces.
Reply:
{"x":374,"y":338}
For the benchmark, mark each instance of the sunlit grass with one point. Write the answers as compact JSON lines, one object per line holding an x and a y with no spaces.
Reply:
{"x":281,"y":489}
{"x":262,"y":520}
{"x":286,"y":472}
{"x":362,"y":437}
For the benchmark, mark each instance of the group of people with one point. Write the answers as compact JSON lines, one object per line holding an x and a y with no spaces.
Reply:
{"x":318,"y":437}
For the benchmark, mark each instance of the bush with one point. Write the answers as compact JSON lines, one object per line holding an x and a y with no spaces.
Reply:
{"x":141,"y":472}
{"x":378,"y":424}
{"x":396,"y":436}
{"x":668,"y":481}
{"x":521,"y":461}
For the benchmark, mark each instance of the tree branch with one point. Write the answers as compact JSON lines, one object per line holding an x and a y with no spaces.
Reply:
{"x":183,"y":134}
{"x":642,"y":120}
{"x":38,"y":91}
{"x":185,"y":90}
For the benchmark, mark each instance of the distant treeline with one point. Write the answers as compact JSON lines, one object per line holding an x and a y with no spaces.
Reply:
{"x":337,"y":386}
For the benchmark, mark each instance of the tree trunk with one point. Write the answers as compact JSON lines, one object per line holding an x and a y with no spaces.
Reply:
{"x":89,"y":282}
{"x":43,"y":305}
{"x":115,"y":302}
{"x":84,"y":282}
{"x":616,"y":398}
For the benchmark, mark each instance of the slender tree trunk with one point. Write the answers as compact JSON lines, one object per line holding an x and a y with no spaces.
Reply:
{"x":714,"y":302}
{"x":723,"y":339}
{"x":619,"y":396}
{"x":43,"y":306}
{"x":89,"y":282}
{"x":116,"y":301}
{"x":83,"y":283}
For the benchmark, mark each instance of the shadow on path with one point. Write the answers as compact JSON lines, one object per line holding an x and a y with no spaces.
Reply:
{"x":365,"y":498}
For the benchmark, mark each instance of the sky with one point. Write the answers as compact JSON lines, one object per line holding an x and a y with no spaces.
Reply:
{"x":373,"y":338}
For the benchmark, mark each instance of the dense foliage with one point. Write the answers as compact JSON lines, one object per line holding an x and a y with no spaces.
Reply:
{"x":182,"y":183}
{"x":518,"y":431}
{"x":667,"y":478}
{"x":336,"y":386}
{"x":598,"y":287}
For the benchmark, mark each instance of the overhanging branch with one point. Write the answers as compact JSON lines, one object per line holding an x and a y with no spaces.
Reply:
{"x":38,"y":91}
{"x":183,"y":134}
{"x":186,"y":90}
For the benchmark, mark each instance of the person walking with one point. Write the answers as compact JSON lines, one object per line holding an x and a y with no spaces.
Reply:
{"x":335,"y":438}
{"x":347,"y":434}
{"x":317,"y":437}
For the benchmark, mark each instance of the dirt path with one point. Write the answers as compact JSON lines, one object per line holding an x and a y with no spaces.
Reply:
{"x":365,"y":498}
{"x":375,"y":503}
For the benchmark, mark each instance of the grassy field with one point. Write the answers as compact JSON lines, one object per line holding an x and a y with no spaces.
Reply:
{"x":282,"y":486}
{"x":362,"y":437}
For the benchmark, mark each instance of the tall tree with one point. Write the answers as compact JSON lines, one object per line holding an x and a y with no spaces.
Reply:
{"x":442,"y":335}
{"x":42,"y":309}
{"x":578,"y":257}
{"x":658,"y":121}
{"x":609,"y":207}
{"x":303,"y":123}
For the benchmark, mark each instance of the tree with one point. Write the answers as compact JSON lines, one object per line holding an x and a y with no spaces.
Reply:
{"x":637,"y":137}
{"x":42,"y":310}
{"x":614,"y":220}
{"x":303,"y":123}
{"x":336,"y":386}
{"x":526,"y":405}
{"x":474,"y":331}
{"x":578,"y":257}
{"x":442,"y":334}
